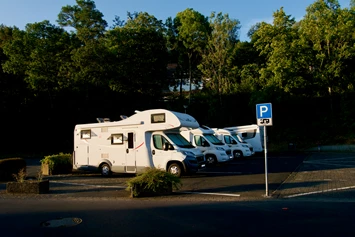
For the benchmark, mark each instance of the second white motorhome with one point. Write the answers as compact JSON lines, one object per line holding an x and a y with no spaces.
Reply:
{"x":252,"y":134}
{"x":214,"y":150}
{"x":148,"y":138}
{"x":239,"y":148}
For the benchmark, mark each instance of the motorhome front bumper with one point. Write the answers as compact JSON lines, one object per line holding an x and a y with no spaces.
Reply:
{"x":193,"y":164}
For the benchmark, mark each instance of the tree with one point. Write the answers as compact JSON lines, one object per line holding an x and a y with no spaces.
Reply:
{"x":328,"y":31}
{"x":216,"y":64}
{"x":140,"y":55}
{"x":90,"y":57}
{"x":39,"y":53}
{"x":84,"y":18}
{"x":286,"y":66}
{"x":192,"y":35}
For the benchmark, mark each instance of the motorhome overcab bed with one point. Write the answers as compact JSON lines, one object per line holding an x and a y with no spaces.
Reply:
{"x":148,"y":138}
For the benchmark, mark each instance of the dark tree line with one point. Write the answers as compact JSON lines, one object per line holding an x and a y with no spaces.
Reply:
{"x":55,"y":76}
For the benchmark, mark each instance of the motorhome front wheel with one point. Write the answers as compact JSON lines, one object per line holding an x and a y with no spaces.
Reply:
{"x":211,"y":160}
{"x":237,"y":154}
{"x":175,"y":169}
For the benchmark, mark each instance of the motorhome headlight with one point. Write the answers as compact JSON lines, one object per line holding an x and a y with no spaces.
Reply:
{"x":220,"y":148}
{"x":188,"y":153}
{"x":245,"y":146}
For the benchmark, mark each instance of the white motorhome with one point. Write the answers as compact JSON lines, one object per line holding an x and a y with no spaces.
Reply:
{"x":239,"y":147}
{"x":214,"y":150}
{"x":251,"y":134}
{"x":148,"y":138}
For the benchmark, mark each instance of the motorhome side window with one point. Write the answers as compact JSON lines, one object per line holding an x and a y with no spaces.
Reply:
{"x":200,"y":141}
{"x":228,"y":140}
{"x":159,"y":141}
{"x":130,"y":140}
{"x":157,"y":118}
{"x":247,"y":135}
{"x":117,"y":139}
{"x":85,"y":134}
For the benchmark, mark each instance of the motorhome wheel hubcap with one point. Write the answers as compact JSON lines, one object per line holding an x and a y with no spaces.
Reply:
{"x":105,"y":170}
{"x":174,"y":170}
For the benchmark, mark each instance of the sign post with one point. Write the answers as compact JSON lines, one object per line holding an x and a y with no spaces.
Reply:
{"x":264,"y":118}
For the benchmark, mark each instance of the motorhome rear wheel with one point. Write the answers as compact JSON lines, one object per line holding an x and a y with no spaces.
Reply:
{"x":105,"y":170}
{"x":175,"y":169}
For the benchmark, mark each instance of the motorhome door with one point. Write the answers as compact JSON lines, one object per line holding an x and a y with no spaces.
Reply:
{"x":160,"y":151}
{"x":130,"y":152}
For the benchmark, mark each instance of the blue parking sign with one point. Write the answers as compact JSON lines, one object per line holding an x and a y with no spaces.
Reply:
{"x":264,"y":114}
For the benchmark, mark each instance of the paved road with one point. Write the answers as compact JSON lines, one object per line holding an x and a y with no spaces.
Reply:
{"x":139,"y":217}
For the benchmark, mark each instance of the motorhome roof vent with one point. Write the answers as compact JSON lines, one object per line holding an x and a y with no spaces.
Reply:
{"x":123,"y":117}
{"x":103,"y":120}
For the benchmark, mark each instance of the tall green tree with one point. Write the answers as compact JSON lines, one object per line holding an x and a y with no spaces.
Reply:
{"x":140,"y":53}
{"x":216,"y":65}
{"x":328,"y":31}
{"x":192,"y":35}
{"x":90,"y":57}
{"x":39,"y":53}
{"x":286,"y":66}
{"x":87,"y":21}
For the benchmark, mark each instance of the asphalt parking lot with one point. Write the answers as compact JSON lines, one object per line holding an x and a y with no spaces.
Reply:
{"x":289,"y":176}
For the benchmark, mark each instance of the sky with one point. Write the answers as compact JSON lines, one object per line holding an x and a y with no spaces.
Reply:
{"x":249,"y":12}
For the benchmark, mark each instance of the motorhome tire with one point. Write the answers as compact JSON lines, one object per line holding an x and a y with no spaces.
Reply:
{"x":175,"y":169}
{"x":211,"y":160}
{"x":237,"y":154}
{"x":105,"y":170}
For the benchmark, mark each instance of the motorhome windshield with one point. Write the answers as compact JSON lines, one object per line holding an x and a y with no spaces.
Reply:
{"x":239,"y":139}
{"x":213,"y":139}
{"x":179,"y":140}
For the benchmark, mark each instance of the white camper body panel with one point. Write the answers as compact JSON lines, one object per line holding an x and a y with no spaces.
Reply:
{"x":252,"y":134}
{"x":238,"y":147}
{"x":135,"y":143}
{"x":204,"y":139}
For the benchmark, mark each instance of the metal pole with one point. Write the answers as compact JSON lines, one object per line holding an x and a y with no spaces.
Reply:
{"x":265,"y":150}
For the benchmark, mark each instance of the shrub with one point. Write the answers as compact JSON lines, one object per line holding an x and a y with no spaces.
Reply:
{"x":10,"y":167}
{"x":153,"y":180}
{"x":20,"y":176}
{"x":60,"y":163}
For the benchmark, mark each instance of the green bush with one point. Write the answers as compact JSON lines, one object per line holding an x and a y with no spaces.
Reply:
{"x":153,"y":180}
{"x":58,"y":161}
{"x":10,"y":167}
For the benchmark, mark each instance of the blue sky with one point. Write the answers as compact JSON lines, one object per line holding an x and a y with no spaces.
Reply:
{"x":248,"y":12}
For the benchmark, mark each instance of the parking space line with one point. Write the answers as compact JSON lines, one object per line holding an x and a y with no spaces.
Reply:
{"x":216,"y":194}
{"x":324,"y":163}
{"x":317,"y":192}
{"x":90,"y":185}
{"x":206,"y":172}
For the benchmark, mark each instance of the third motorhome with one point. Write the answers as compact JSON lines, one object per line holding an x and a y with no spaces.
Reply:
{"x":239,"y":147}
{"x":252,"y":134}
{"x":148,"y":138}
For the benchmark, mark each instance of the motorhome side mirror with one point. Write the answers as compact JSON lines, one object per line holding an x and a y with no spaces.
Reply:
{"x":204,"y":143}
{"x":168,"y":146}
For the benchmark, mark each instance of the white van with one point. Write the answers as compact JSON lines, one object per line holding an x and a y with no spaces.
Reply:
{"x":149,"y":138}
{"x":251,"y":134}
{"x":239,"y":148}
{"x":214,"y":150}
